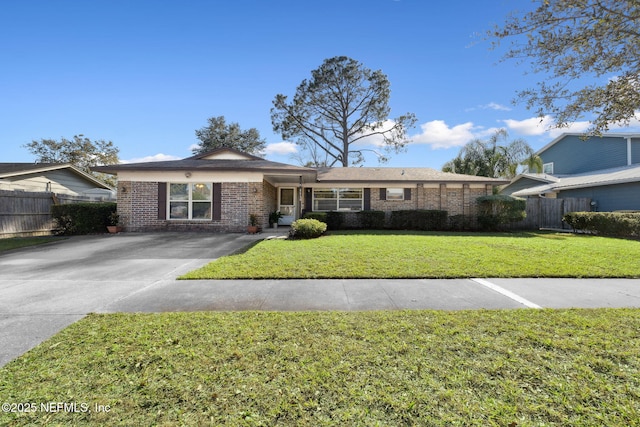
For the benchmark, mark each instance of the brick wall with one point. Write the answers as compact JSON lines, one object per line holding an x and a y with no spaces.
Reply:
{"x":138,"y":205}
{"x":270,"y":202}
{"x":392,"y":205}
{"x":138,"y":208}
{"x":456,"y":199}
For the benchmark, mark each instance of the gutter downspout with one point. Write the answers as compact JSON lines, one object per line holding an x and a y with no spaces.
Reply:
{"x":629,"y":151}
{"x":300,"y":200}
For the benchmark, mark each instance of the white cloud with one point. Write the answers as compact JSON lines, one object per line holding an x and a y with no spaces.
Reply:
{"x":160,"y":157}
{"x":438,"y":134}
{"x":490,"y":106}
{"x":532,"y":126}
{"x":633,"y":125}
{"x":543,"y":125}
{"x":281,"y":148}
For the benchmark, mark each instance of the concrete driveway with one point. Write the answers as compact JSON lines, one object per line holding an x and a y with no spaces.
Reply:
{"x":46,"y":288}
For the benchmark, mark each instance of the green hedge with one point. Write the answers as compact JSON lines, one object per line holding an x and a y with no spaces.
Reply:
{"x":461,"y":223}
{"x":82,"y":218}
{"x":497,"y":210}
{"x":307,"y":229}
{"x":420,"y":219}
{"x":320,"y":216}
{"x":335,"y":220}
{"x":620,"y":224}
{"x":371,"y":220}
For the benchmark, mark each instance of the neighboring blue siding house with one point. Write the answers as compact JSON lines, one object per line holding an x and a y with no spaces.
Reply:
{"x":605,"y":169}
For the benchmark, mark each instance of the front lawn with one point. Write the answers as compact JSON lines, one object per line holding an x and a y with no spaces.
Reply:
{"x":431,"y":255}
{"x":430,"y":368}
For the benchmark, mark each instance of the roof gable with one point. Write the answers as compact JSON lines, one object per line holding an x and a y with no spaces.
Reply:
{"x":9,"y":170}
{"x":224,"y":153}
{"x":563,"y":136}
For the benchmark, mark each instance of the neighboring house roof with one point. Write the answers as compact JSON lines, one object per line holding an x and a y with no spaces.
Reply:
{"x":527,"y":180}
{"x":604,"y":135}
{"x":542,"y":177}
{"x":620,"y":175}
{"x":399,"y":175}
{"x":10,"y":170}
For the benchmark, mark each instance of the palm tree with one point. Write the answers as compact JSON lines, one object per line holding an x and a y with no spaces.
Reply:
{"x":490,"y":158}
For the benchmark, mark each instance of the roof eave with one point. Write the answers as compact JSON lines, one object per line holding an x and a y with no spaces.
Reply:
{"x":416,"y":181}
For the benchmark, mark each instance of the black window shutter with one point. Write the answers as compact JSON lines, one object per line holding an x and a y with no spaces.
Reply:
{"x":407,"y":194}
{"x":308,"y":200}
{"x":383,"y":194}
{"x":162,"y":200}
{"x":367,"y":199}
{"x":217,"y":201}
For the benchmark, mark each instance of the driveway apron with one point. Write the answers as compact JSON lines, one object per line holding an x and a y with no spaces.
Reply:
{"x":45,"y":288}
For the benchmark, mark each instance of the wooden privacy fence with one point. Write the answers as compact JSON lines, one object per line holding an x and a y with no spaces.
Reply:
{"x":548,"y":213}
{"x":29,"y":214}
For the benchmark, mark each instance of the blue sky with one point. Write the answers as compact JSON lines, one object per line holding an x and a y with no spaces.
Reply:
{"x":147,"y":74}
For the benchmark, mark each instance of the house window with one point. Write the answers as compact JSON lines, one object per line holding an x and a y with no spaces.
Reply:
{"x":395,"y":194}
{"x":548,"y":168}
{"x":337,"y":199}
{"x":190,"y":201}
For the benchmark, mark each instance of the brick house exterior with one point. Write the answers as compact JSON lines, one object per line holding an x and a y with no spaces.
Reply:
{"x":218,"y":190}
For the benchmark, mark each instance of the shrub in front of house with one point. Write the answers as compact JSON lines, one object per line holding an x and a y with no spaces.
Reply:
{"x":82,"y":218}
{"x":619,"y":224}
{"x":307,"y":229}
{"x":499,"y":209}
{"x":333,"y":220}
{"x":420,"y":219}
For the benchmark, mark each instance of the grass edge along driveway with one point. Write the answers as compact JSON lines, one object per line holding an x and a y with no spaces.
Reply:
{"x":403,"y":255}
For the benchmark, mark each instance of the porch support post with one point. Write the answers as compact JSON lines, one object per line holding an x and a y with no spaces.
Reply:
{"x":466,"y":200}
{"x":299,"y":215}
{"x":443,"y":197}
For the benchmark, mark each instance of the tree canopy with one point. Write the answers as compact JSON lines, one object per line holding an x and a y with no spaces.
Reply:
{"x":342,"y":105}
{"x":490,"y":158}
{"x":80,"y":151}
{"x":219,"y":134}
{"x":588,"y":55}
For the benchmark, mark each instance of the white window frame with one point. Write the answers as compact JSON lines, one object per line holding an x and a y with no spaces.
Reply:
{"x":189,"y":201}
{"x":398,"y":196}
{"x":547,"y":168}
{"x":338,"y":192}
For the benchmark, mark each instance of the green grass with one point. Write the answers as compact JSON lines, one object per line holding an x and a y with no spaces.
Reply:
{"x":431,"y":255}
{"x":21,"y":242}
{"x":432,"y":368}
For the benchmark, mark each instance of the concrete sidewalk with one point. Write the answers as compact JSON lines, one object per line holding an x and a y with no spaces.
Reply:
{"x":383,"y":294}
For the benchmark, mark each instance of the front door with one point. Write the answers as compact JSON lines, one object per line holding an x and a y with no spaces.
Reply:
{"x":287,"y":205}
